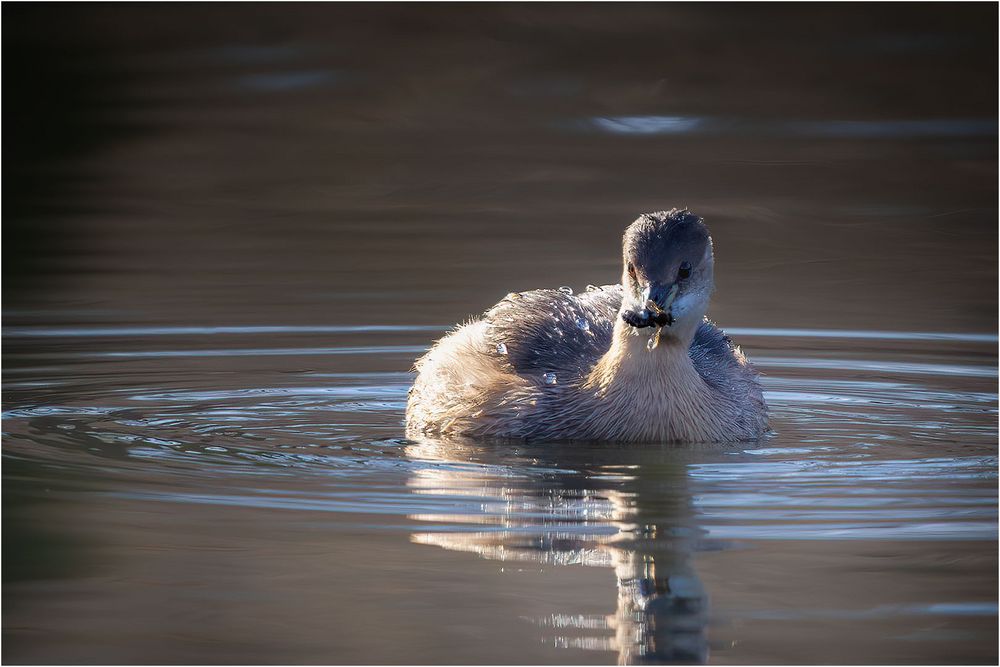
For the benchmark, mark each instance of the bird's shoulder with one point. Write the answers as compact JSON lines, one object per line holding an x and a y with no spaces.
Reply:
{"x":551,"y":330}
{"x":716,"y":357}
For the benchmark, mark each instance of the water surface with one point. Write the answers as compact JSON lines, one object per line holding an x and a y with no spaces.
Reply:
{"x":230,"y":233}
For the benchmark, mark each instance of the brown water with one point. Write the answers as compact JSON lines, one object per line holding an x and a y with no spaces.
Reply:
{"x":230,"y":229}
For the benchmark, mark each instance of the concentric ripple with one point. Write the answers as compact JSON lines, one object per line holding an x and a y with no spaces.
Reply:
{"x":887,"y":445}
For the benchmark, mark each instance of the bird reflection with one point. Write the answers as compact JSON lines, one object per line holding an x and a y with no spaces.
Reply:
{"x":623,"y":507}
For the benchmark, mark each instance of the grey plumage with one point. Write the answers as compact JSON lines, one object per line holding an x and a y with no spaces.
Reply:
{"x":669,"y":235}
{"x":551,"y":331}
{"x":542,"y":334}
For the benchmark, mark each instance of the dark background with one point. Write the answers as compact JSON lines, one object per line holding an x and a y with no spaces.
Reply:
{"x":341,"y":163}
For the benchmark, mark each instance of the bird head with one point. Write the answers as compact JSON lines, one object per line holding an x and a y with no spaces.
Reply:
{"x":667,"y":274}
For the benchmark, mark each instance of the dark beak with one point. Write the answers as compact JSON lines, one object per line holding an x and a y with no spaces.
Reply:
{"x":660,"y":296}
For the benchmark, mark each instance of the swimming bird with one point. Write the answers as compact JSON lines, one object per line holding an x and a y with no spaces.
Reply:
{"x":636,"y":361}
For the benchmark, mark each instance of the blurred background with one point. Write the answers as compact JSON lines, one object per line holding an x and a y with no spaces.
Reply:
{"x":333,"y":163}
{"x":230,"y":228}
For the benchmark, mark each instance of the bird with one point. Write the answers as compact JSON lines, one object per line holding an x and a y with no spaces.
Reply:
{"x":636,"y":361}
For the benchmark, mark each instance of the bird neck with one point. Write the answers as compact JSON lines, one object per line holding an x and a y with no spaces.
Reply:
{"x":629,"y":361}
{"x":653,"y":395}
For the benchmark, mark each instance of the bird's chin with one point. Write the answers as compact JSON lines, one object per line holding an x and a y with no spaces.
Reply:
{"x":652,"y":336}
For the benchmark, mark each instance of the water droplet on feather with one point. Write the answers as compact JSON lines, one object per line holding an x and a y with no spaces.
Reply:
{"x":501,"y":348}
{"x":549,"y":378}
{"x":566,"y":290}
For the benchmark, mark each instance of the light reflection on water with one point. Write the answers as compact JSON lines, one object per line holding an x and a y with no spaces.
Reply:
{"x":855,"y":129}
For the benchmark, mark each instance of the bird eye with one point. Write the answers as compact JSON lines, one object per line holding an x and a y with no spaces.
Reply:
{"x":684,"y":271}
{"x":631,"y":270}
